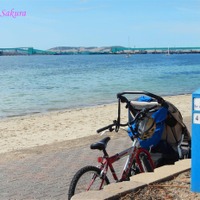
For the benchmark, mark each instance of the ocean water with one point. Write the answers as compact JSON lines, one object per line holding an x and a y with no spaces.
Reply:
{"x":32,"y":84}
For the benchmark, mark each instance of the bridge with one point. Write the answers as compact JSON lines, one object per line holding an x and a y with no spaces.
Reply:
{"x":117,"y":50}
{"x":24,"y":51}
{"x":110,"y":50}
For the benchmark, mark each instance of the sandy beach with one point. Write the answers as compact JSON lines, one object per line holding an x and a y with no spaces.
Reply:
{"x":18,"y":133}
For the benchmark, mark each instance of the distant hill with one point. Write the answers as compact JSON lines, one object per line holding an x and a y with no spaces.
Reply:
{"x":64,"y":49}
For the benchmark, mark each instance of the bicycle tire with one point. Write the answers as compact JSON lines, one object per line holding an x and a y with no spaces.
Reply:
{"x":82,"y":181}
{"x":134,"y":169}
{"x":145,"y":163}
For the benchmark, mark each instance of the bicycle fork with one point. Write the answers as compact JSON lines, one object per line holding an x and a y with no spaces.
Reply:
{"x":102,"y":176}
{"x":93,"y":180}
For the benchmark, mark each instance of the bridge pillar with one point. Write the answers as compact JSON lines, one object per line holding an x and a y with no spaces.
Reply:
{"x":30,"y":51}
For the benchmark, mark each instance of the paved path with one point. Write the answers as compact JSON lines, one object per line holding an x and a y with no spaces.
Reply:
{"x":47,"y":176}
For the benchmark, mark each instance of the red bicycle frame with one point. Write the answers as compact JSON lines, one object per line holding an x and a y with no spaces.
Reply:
{"x":133,"y":153}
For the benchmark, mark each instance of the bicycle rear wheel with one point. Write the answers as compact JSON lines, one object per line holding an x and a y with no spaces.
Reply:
{"x":134,"y":169}
{"x":87,"y":178}
{"x":146,"y":163}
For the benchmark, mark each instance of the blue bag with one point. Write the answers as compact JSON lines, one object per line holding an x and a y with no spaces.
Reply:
{"x":159,"y":116}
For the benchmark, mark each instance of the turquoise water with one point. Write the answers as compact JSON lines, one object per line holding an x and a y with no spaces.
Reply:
{"x":31,"y":84}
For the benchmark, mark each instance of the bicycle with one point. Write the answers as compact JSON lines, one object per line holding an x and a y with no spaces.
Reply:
{"x":139,"y":159}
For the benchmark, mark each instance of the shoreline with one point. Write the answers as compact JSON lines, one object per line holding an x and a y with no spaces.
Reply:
{"x":22,"y":132}
{"x":52,"y":110}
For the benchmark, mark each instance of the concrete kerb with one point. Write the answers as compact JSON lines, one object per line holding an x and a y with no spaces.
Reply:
{"x":116,"y":190}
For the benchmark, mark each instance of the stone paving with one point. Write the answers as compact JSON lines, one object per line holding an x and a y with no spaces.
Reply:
{"x":47,"y":176}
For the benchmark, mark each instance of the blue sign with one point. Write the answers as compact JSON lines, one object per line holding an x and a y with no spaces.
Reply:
{"x":195,"y":171}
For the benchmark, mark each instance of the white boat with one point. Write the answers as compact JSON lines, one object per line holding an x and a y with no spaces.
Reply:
{"x":168,"y":52}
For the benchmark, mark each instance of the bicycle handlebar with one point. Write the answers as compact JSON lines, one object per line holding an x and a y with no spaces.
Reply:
{"x":110,"y":127}
{"x":139,"y":115}
{"x":142,"y":113}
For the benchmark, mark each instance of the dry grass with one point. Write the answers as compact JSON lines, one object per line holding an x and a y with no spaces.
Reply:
{"x":178,"y":188}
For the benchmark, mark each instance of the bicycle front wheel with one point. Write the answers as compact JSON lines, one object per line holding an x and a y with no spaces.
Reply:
{"x":87,"y":178}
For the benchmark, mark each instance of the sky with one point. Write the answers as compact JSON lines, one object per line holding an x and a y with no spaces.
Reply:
{"x":129,"y":23}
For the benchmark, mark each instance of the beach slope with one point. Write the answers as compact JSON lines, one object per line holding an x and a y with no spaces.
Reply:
{"x":18,"y":133}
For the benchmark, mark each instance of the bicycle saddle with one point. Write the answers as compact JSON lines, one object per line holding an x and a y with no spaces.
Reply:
{"x":101,"y":145}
